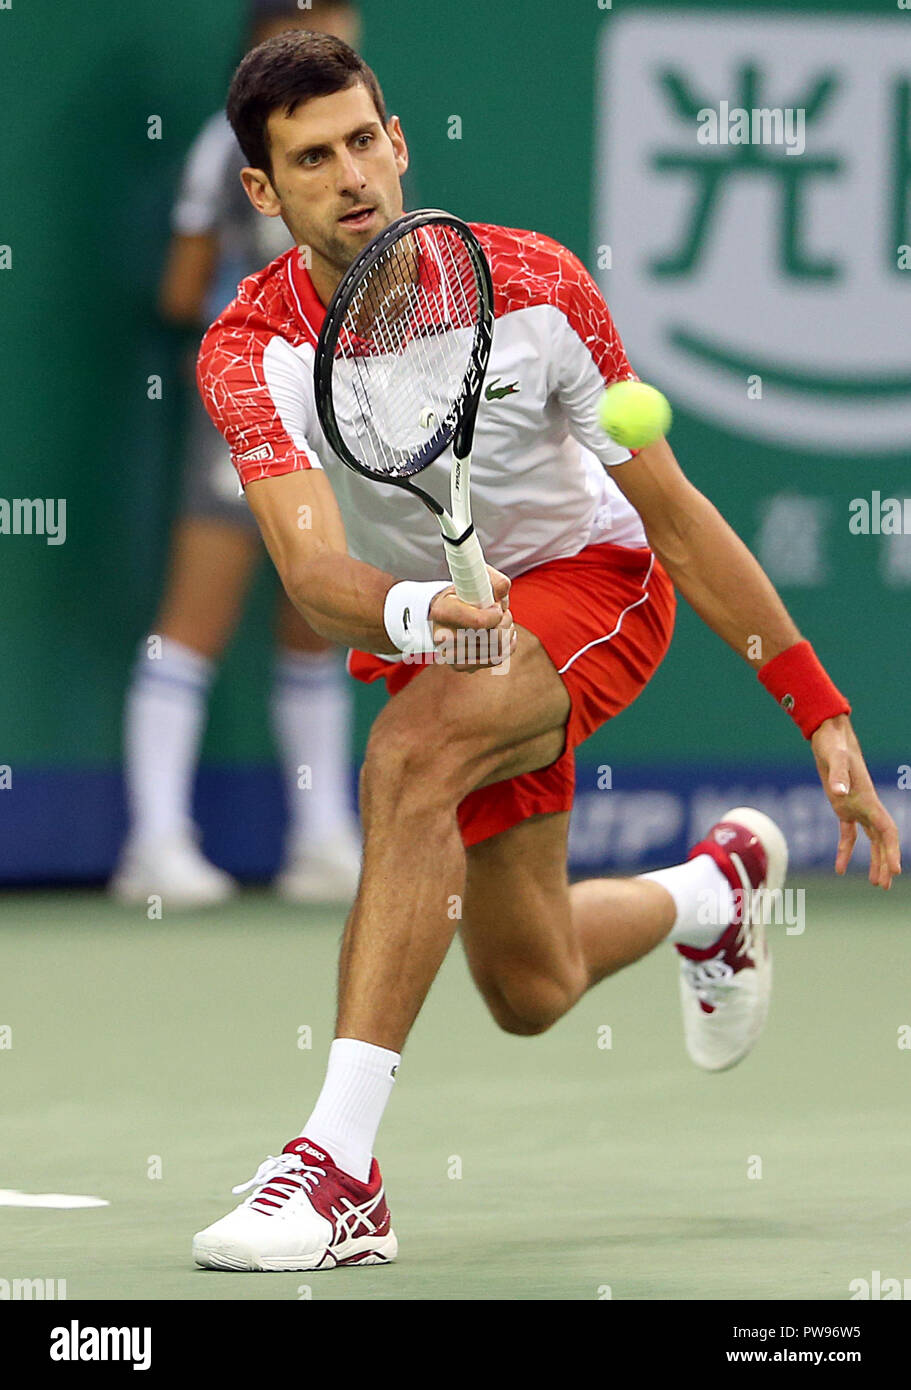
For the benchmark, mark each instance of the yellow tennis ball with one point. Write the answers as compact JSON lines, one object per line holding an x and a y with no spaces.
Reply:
{"x":634,"y":414}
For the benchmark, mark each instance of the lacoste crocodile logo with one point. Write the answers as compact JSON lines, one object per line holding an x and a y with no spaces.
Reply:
{"x":496,"y":393}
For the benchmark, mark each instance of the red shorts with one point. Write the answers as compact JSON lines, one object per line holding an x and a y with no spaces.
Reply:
{"x":605,"y":618}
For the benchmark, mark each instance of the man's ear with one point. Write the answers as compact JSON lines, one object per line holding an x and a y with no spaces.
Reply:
{"x":396,"y":135}
{"x":258,"y":188}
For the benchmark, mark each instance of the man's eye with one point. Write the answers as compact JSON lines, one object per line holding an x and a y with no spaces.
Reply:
{"x":364,"y":140}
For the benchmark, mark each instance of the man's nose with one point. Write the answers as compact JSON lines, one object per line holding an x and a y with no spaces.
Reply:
{"x":350,"y":176}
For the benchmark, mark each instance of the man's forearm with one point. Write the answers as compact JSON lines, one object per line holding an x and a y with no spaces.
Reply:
{"x":725,"y":584}
{"x":342,"y":599}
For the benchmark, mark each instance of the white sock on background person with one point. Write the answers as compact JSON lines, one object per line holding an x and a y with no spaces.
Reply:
{"x":164,"y":718}
{"x":703,"y":897}
{"x":312,"y":716}
{"x":346,"y":1117}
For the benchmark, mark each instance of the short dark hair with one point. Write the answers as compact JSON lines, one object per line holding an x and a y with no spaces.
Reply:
{"x":285,"y":71}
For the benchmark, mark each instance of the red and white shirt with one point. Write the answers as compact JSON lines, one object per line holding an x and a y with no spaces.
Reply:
{"x":539,"y":489}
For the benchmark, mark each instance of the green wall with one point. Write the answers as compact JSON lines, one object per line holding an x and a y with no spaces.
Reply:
{"x":85,"y":210}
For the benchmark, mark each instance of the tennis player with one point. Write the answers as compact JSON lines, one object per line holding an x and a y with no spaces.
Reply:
{"x":467,"y":782}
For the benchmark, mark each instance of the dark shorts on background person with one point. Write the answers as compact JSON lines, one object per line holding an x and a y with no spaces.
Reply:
{"x":210,"y":490}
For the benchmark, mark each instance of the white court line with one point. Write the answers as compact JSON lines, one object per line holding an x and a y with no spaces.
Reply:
{"x":12,"y":1197}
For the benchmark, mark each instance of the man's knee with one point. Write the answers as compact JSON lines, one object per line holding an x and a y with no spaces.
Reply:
{"x":407,"y":763}
{"x":526,"y":1006}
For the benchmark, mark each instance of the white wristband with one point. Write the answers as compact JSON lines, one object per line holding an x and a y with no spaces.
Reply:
{"x":405,"y":614}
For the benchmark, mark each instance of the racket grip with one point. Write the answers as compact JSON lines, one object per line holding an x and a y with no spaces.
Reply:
{"x":469,"y":572}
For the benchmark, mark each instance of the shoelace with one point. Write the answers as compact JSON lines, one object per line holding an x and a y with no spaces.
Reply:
{"x":287,"y":1169}
{"x":712,"y":980}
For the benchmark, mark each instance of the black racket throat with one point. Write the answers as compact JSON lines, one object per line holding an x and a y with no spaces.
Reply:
{"x":433,"y":506}
{"x":407,"y":485}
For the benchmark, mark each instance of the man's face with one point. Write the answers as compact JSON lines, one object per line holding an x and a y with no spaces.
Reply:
{"x":335,"y":178}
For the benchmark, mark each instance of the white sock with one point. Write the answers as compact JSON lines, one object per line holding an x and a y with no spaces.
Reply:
{"x":311,"y":712}
{"x":163,"y":723}
{"x":345,"y":1119}
{"x":703,"y":897}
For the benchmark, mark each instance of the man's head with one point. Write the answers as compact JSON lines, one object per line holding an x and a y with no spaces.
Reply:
{"x":309,"y":115}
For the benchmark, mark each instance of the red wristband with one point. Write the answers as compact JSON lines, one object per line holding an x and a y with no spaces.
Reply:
{"x":798,"y":681}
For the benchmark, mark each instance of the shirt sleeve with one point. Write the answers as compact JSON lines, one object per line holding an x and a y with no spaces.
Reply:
{"x":587,"y":357}
{"x":200,"y":204}
{"x":256,"y":389}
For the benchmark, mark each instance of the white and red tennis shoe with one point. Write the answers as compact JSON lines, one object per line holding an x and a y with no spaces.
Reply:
{"x":303,"y":1213}
{"x":725,"y":989}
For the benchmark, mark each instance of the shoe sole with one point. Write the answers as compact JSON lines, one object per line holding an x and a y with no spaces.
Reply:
{"x":361,"y":1251}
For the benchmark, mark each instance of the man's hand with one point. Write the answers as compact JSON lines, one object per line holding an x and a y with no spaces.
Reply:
{"x":849,"y":787}
{"x":469,"y":638}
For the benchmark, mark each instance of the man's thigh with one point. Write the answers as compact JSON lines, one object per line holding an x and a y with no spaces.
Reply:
{"x":484,"y":725}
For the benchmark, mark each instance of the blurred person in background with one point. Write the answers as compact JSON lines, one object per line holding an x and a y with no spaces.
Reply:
{"x":217,"y":240}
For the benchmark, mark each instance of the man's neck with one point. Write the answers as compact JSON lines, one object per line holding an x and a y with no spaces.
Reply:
{"x":325,"y":280}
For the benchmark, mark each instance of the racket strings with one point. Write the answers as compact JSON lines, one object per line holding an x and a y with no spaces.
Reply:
{"x":404,"y":347}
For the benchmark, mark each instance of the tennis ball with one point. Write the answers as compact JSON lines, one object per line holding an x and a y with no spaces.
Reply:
{"x":633,"y":413}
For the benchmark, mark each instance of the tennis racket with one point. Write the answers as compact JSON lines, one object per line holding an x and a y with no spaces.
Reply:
{"x":400,"y":365}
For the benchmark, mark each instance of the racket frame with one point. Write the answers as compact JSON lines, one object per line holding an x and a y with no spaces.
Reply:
{"x":463,"y":549}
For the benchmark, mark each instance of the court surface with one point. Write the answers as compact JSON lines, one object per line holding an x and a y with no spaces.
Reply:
{"x":172,"y":1047}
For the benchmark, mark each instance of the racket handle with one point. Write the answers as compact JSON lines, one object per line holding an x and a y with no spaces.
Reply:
{"x":469,"y":572}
